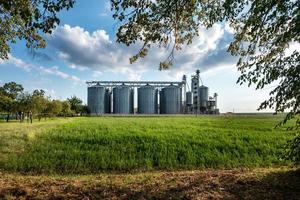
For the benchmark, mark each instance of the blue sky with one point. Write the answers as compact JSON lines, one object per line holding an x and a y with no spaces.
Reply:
{"x":83,"y":48}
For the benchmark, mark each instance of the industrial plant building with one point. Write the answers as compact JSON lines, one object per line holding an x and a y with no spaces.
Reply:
{"x":153,"y":97}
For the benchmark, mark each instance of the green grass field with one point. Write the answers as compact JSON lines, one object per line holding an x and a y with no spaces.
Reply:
{"x":90,"y":145}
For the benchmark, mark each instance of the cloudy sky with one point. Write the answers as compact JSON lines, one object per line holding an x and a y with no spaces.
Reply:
{"x":83,"y":48}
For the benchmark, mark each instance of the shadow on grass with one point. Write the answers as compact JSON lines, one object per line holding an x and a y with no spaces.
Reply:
{"x":219,"y":184}
{"x":274,"y":185}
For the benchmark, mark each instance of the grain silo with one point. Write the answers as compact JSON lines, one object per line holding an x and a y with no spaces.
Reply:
{"x":96,"y":100}
{"x":123,"y":99}
{"x":118,"y":97}
{"x":171,"y":100}
{"x":107,"y":101}
{"x":161,"y":103}
{"x":189,"y":99}
{"x":156,"y":97}
{"x":147,"y":100}
{"x":132,"y":100}
{"x":203,"y":96}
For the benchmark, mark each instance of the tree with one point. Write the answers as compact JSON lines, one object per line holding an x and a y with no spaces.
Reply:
{"x":5,"y":102}
{"x":54,"y":107}
{"x":84,"y":109}
{"x":40,"y":93}
{"x":66,"y":108}
{"x":8,"y":97}
{"x":24,"y":104}
{"x":28,"y":19}
{"x":12,"y":89}
{"x":39,"y":103}
{"x":76,"y":104}
{"x":264,"y":30}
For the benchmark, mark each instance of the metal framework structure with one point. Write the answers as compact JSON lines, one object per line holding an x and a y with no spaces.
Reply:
{"x":158,"y":84}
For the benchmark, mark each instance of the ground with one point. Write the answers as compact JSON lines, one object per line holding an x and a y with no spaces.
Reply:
{"x":224,"y":157}
{"x":274,"y":183}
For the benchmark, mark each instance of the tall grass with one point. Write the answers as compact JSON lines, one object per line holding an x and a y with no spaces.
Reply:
{"x":87,"y":145}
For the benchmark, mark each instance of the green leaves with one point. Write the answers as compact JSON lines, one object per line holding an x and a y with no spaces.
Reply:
{"x":155,"y":22}
{"x":24,"y":19}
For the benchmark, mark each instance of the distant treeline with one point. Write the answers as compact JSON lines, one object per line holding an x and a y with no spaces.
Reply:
{"x":15,"y":103}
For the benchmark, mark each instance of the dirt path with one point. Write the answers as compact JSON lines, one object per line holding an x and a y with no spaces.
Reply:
{"x":208,"y":184}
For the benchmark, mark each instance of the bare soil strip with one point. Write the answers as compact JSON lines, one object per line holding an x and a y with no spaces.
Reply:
{"x":275,"y":183}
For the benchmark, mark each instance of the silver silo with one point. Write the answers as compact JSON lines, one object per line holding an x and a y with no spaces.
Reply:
{"x":171,"y":100}
{"x":156,"y":103}
{"x":147,"y":100}
{"x":203,"y":96}
{"x":96,"y":100}
{"x":132,"y":100}
{"x":161,"y":103}
{"x":189,"y":99}
{"x":107,"y":101}
{"x":123,"y":99}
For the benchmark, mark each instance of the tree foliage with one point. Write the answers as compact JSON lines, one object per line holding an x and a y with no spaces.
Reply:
{"x":66,"y":108}
{"x":76,"y":105}
{"x":11,"y":90}
{"x":28,"y":19}
{"x":8,"y":96}
{"x":54,"y":107}
{"x":39,"y":101}
{"x":13,"y":100}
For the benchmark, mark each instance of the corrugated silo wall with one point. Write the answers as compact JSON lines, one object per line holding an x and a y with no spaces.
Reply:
{"x":161,"y":102}
{"x":123,"y":100}
{"x":180,"y":101}
{"x":156,"y":101}
{"x":96,"y":100}
{"x":171,"y":100}
{"x":203,"y":96}
{"x":147,"y":100}
{"x":131,"y":100}
{"x":107,"y":101}
{"x":189,"y":101}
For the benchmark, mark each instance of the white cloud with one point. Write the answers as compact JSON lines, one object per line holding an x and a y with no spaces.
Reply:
{"x":221,"y":69}
{"x":96,"y":51}
{"x":55,"y":71}
{"x":97,"y":74}
{"x":18,"y":63}
{"x":52,"y":93}
{"x":106,"y":9}
{"x":40,"y":69}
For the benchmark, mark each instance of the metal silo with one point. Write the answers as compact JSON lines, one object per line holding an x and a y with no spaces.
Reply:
{"x":107,"y":101}
{"x":156,"y":101}
{"x":189,"y":99}
{"x":147,"y":100}
{"x":203,"y":96}
{"x":180,"y":100}
{"x":171,"y":100}
{"x":161,"y":102}
{"x":123,"y":99}
{"x":132,"y":100}
{"x":96,"y":100}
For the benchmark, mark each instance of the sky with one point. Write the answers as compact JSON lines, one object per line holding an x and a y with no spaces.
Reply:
{"x":83,"y":48}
